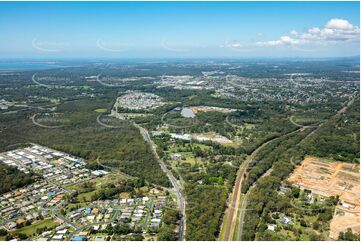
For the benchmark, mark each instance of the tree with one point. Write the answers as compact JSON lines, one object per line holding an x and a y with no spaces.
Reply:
{"x":349,"y":236}
{"x":171,"y":216}
{"x":22,"y":236}
{"x":166,"y":233}
{"x":3,"y":232}
{"x":295,"y":192}
{"x":303,"y":223}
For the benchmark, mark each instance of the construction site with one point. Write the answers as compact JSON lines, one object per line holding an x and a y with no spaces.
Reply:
{"x":327,"y":178}
{"x":197,"y":109}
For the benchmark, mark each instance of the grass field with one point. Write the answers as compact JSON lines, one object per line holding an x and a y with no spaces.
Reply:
{"x":75,"y":205}
{"x":187,"y":156}
{"x":100,"y":110}
{"x":86,"y":196}
{"x":223,"y":228}
{"x":31,"y":229}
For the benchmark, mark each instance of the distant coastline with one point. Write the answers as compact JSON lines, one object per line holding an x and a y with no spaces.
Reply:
{"x":24,"y":66}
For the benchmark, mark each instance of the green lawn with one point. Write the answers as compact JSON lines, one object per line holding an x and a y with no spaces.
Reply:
{"x":188,"y":155}
{"x":75,"y":205}
{"x":87,"y":196}
{"x":100,"y":110}
{"x":223,"y":227}
{"x":98,"y":182}
{"x":31,"y":229}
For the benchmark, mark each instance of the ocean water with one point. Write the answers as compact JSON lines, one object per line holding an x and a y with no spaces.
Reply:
{"x":23,"y":66}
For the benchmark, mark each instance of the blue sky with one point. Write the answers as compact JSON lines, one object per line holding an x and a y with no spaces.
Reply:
{"x":179,"y":29}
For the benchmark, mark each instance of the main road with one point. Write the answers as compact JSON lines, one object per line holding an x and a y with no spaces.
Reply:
{"x":173,"y":180}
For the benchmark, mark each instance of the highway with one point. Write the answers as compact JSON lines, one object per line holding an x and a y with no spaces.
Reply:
{"x":173,"y":180}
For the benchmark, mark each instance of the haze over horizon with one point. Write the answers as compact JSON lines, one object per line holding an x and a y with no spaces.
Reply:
{"x":179,"y":29}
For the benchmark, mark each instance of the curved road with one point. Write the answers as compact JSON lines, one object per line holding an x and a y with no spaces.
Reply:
{"x":38,"y":83}
{"x":300,"y":125}
{"x":44,"y":85}
{"x":106,"y":84}
{"x":45,"y":126}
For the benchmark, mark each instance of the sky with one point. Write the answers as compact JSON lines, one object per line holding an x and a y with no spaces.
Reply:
{"x":179,"y":29}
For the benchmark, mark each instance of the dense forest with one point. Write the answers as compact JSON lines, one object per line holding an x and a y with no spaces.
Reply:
{"x":12,"y":178}
{"x":123,"y":147}
{"x":271,"y":153}
{"x":204,"y":209}
{"x":265,"y":190}
{"x":338,"y":139}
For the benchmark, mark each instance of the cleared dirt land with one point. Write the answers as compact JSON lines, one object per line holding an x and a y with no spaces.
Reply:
{"x":331,"y":179}
{"x":196,"y":109}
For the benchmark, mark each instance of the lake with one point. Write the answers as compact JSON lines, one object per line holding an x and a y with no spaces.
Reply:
{"x":187,"y":113}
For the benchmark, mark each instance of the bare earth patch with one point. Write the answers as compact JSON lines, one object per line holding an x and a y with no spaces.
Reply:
{"x":328,"y":178}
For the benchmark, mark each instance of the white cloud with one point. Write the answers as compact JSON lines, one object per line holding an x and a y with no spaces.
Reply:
{"x":335,"y":31}
{"x":289,"y":41}
{"x":237,"y":46}
{"x":283,"y":40}
{"x":338,"y":23}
